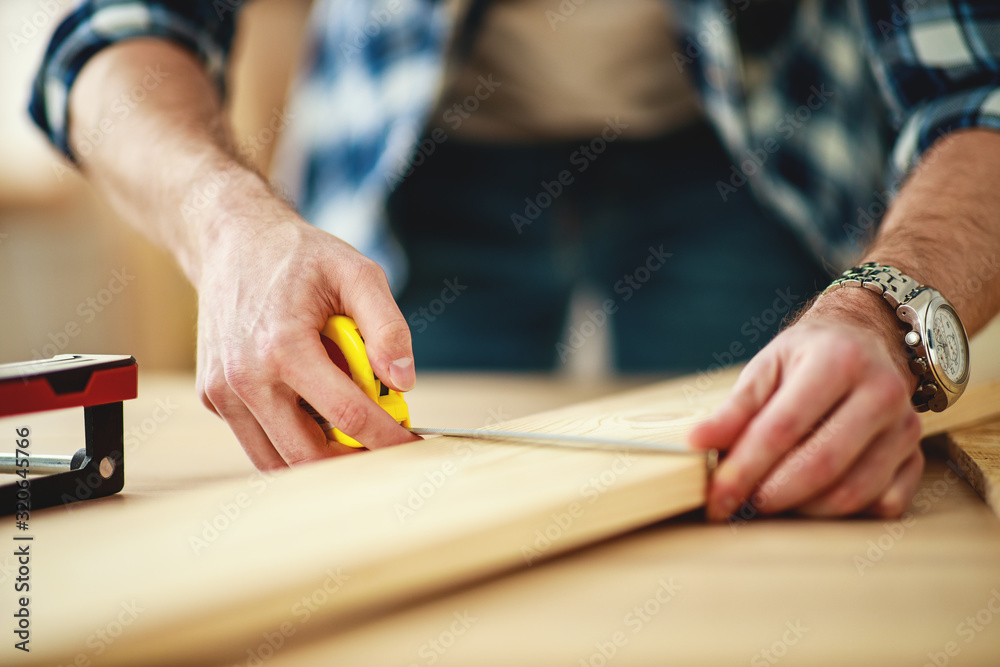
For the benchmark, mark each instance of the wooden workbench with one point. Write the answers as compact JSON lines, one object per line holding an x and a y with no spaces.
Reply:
{"x":922,"y":590}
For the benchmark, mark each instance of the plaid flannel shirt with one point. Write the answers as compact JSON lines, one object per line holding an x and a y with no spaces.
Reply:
{"x":785,"y":83}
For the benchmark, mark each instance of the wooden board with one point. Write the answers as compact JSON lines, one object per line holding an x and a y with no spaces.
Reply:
{"x":214,"y":569}
{"x":866,"y":592}
{"x":332,"y":534}
{"x":979,"y":404}
{"x":976,"y":451}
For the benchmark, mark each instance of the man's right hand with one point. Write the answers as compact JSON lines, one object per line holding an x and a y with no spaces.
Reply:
{"x":267,"y":281}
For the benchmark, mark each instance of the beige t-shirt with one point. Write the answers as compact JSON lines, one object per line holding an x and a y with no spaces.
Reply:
{"x":553,"y":69}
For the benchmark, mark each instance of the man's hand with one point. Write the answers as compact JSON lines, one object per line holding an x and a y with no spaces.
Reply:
{"x":268,"y":284}
{"x":820,"y":420}
{"x":267,"y":281}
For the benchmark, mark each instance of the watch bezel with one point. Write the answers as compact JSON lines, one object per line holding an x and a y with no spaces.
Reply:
{"x":918,"y":311}
{"x":934,"y":361}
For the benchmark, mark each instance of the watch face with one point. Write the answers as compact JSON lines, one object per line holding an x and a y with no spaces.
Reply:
{"x":947,"y":341}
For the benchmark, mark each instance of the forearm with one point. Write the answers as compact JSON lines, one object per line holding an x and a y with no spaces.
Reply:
{"x":943,"y":230}
{"x":944,"y":227}
{"x":147,"y":126}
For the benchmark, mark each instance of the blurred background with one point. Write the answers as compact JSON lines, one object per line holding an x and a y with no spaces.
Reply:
{"x":60,"y":246}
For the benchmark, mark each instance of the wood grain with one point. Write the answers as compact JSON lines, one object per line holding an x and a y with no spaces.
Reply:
{"x":866,"y":592}
{"x":980,"y":403}
{"x":478,"y":509}
{"x":976,"y":452}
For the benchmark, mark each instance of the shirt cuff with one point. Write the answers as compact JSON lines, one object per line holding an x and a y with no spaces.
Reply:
{"x":96,"y":25}
{"x":973,"y":108}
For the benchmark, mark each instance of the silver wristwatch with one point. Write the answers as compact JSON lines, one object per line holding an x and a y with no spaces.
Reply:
{"x":937,"y":342}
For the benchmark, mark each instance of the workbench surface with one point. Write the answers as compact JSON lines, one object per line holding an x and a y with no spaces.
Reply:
{"x":922,"y":590}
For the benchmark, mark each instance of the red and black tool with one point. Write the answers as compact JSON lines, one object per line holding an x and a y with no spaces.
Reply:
{"x":97,"y":383}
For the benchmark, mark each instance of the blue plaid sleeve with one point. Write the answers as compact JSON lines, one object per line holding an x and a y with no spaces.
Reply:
{"x":938,"y":64}
{"x":206,"y":28}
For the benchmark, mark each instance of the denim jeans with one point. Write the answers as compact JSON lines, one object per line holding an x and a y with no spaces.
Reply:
{"x":499,"y":236}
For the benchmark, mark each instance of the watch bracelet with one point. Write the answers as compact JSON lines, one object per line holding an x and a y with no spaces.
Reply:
{"x":894,"y":286}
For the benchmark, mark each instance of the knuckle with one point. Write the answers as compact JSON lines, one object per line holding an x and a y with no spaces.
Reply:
{"x":394,"y":334}
{"x":268,"y":465}
{"x":779,"y":430}
{"x":275,"y":352}
{"x":822,"y":463}
{"x":369,"y":271}
{"x":913,"y":430}
{"x":891,"y":507}
{"x":847,"y":499}
{"x":849,"y":351}
{"x":237,"y":378}
{"x":295,"y":458}
{"x":202,"y":393}
{"x":217,"y":392}
{"x":205,"y":400}
{"x":349,"y":417}
{"x":890,"y":391}
{"x":362,"y":273}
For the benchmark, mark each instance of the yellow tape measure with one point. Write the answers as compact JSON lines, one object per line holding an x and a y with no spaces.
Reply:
{"x":348,"y":352}
{"x":346,"y":347}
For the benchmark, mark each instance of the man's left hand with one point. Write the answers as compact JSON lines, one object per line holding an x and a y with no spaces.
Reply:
{"x":820,"y":421}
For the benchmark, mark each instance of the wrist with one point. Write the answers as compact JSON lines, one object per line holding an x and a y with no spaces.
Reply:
{"x":866,"y":310}
{"x":221,"y":205}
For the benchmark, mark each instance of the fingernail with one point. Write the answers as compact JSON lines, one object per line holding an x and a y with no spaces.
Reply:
{"x":401,"y":373}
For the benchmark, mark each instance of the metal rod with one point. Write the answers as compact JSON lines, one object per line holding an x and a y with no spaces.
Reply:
{"x":562,"y":440}
{"x":37,"y":464}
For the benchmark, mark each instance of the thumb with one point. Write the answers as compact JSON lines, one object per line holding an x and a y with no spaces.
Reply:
{"x":386,"y":334}
{"x":755,"y":385}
